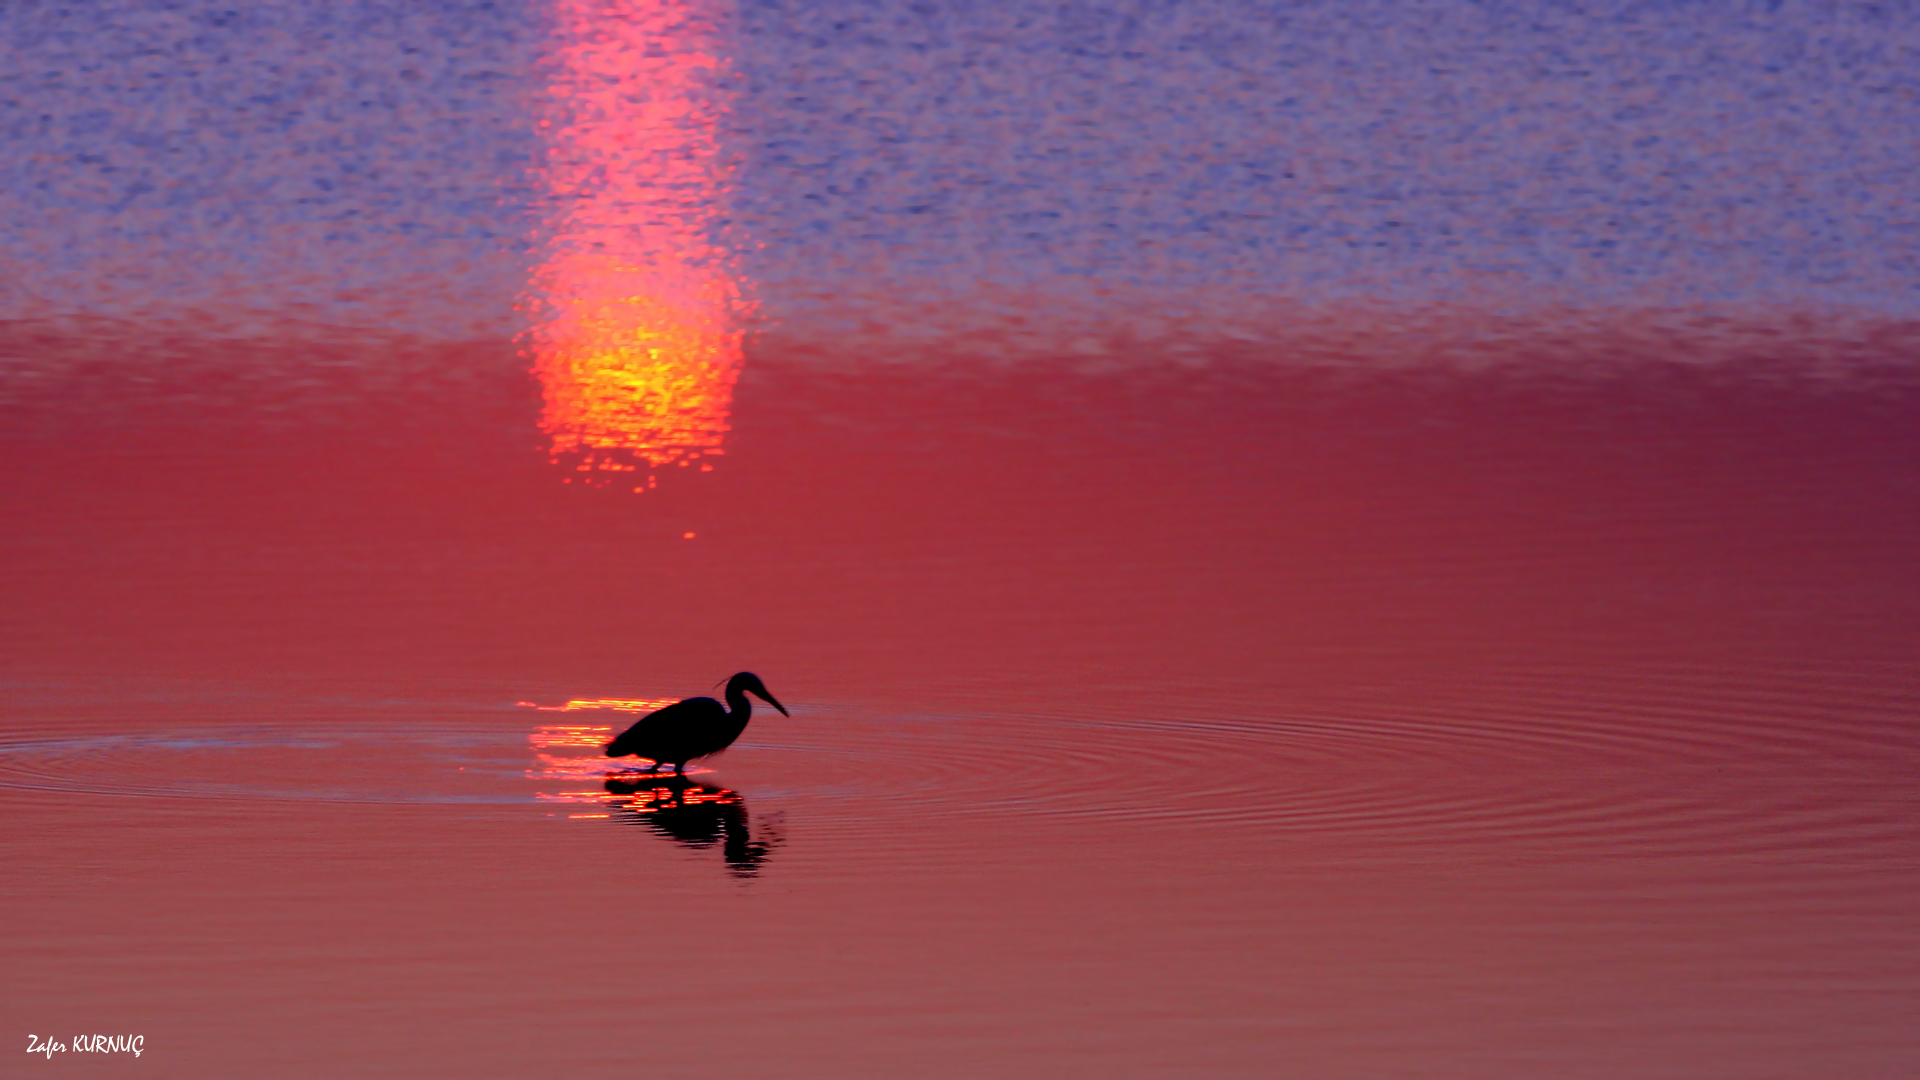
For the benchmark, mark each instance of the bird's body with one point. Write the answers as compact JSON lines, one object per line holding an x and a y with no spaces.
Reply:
{"x":693,"y":728}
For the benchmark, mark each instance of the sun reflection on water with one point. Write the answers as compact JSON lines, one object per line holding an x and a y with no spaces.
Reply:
{"x":684,"y":809}
{"x":571,"y":754}
{"x":635,"y":330}
{"x":616,"y":704}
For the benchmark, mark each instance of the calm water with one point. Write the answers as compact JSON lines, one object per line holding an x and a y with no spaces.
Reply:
{"x":1222,"y":722}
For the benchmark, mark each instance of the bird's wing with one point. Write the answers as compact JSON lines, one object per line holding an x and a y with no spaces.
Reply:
{"x":665,"y":725}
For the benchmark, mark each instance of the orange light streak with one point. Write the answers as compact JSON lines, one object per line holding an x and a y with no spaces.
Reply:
{"x":616,"y":704}
{"x":571,"y":753}
{"x":635,"y":335}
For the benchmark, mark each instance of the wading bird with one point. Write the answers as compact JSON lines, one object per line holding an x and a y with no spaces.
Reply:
{"x":693,"y":728}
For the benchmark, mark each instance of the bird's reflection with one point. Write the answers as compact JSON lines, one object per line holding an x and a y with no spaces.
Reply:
{"x":698,"y":815}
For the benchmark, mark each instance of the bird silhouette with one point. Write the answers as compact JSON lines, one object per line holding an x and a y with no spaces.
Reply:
{"x":693,"y":728}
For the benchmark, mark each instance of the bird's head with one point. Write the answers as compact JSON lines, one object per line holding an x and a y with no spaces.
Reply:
{"x":750,"y":683}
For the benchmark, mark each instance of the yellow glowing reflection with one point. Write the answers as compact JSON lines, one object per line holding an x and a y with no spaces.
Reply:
{"x":616,"y":704}
{"x":635,"y":329}
{"x":570,"y":754}
{"x":684,"y":809}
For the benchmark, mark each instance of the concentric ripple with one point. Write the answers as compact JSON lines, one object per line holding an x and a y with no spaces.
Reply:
{"x":1664,"y":762}
{"x":1659,"y":762}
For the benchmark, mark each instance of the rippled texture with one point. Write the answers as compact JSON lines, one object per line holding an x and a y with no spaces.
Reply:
{"x":1143,"y":170}
{"x":1689,"y":761}
{"x":1228,"y":720}
{"x":1308,"y":539}
{"x":635,"y":334}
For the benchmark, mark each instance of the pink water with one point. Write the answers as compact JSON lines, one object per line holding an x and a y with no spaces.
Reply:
{"x":1153,"y":723}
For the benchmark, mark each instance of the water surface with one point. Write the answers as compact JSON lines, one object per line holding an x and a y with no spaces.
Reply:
{"x":1222,"y":722}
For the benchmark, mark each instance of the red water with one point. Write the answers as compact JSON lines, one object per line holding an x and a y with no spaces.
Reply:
{"x":1223,"y":722}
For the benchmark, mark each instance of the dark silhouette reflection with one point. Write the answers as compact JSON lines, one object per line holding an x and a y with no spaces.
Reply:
{"x":692,"y":813}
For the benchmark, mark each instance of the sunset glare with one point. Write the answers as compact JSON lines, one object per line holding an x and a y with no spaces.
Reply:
{"x":1213,"y":539}
{"x":636,"y":318}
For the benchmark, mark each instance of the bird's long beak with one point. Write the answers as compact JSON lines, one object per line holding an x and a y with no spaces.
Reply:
{"x":775,"y":704}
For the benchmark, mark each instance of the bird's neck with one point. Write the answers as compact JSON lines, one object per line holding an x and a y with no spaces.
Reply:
{"x":738,"y":707}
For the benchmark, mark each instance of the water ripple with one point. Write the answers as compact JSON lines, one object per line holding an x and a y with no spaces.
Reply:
{"x":1679,"y":763}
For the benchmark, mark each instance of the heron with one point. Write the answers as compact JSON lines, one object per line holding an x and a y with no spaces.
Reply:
{"x":693,"y":728}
